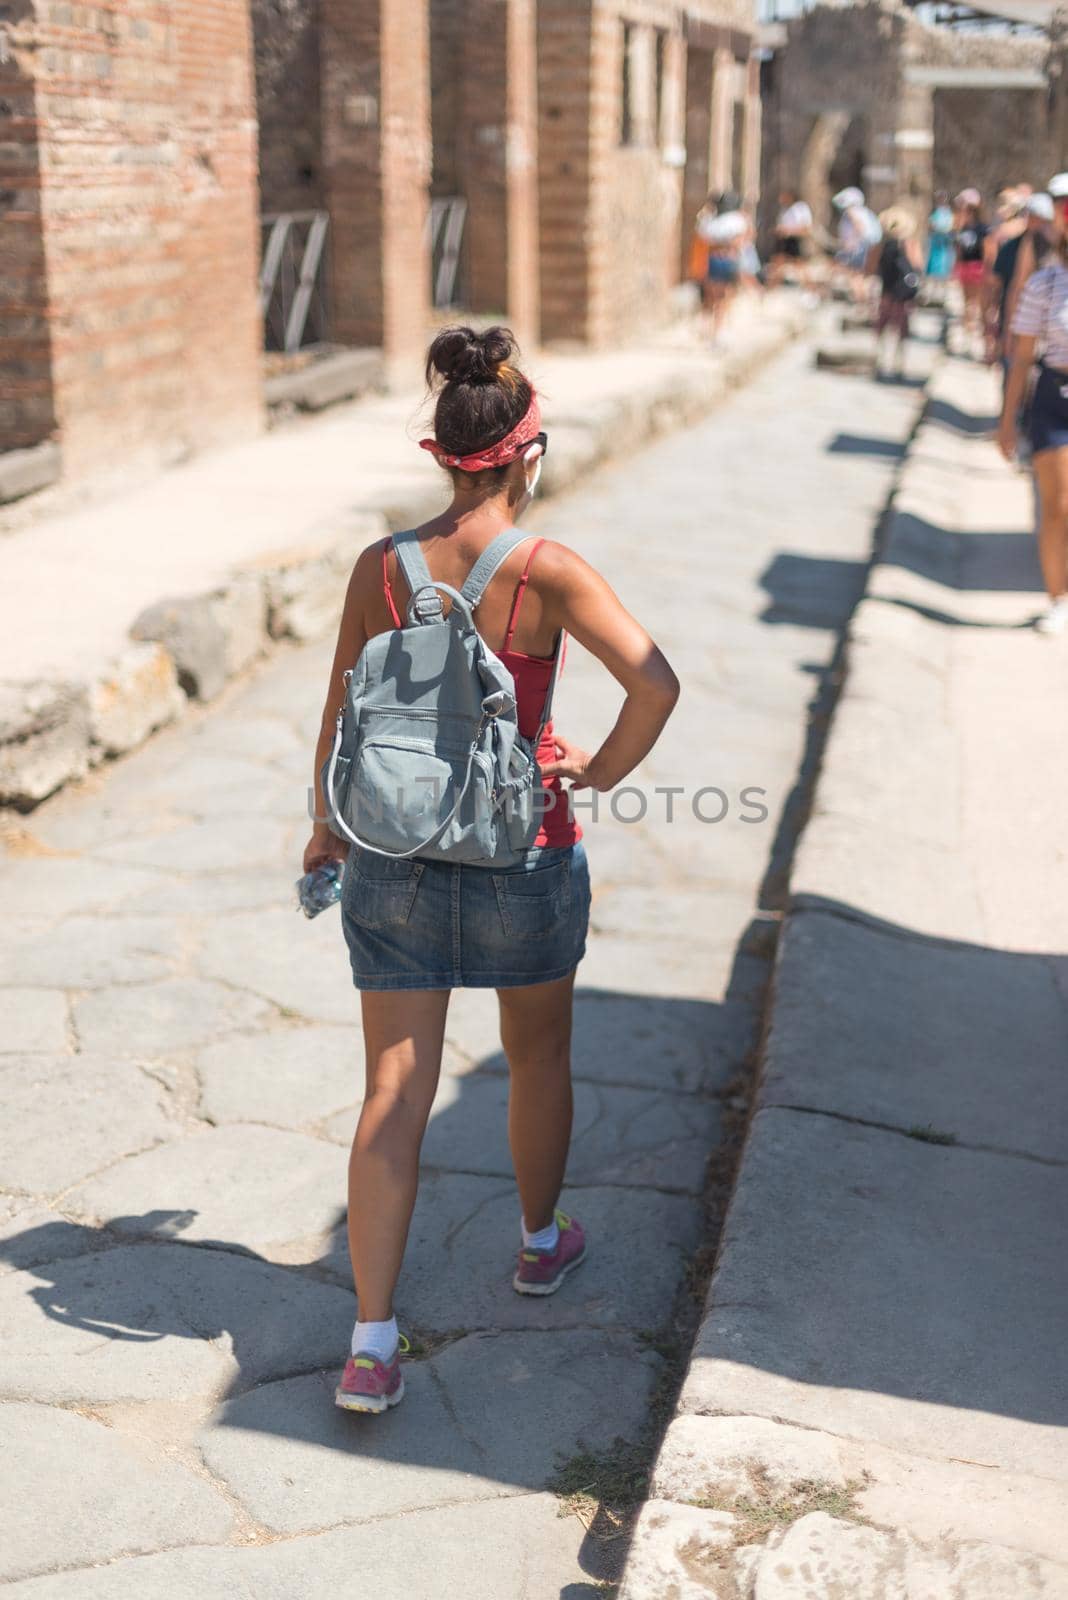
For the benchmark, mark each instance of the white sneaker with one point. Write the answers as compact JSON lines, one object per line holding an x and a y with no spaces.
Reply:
{"x":1055,"y":620}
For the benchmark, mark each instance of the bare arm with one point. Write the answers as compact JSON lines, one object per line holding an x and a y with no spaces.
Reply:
{"x":1023,"y":354}
{"x":591,"y":611}
{"x":1025,"y":265}
{"x":351,"y":638}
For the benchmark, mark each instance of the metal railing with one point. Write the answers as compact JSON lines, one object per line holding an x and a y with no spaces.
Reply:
{"x":445,"y":231}
{"x":292,"y":283}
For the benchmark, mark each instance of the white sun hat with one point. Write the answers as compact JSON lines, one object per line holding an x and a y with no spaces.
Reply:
{"x":1058,"y":185}
{"x":848,"y":197}
{"x":1039,"y":205}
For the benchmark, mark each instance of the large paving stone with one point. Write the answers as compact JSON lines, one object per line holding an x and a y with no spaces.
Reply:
{"x":893,"y":1290}
{"x":76,"y":1492}
{"x":685,"y":1552}
{"x":141,"y":1321}
{"x":724,"y":1458}
{"x":464,"y":1238}
{"x":212,"y":894}
{"x":901,"y":1031}
{"x":299,"y":964}
{"x":290,"y":1076}
{"x":33,"y":1019}
{"x":511,"y":1547}
{"x":619,"y":1135}
{"x":489,"y":1413}
{"x":660,"y":969}
{"x":249,"y":1186}
{"x":203,"y":846}
{"x":83,"y":952}
{"x":156,"y":1019}
{"x":831,"y":1557}
{"x":104,"y":1107}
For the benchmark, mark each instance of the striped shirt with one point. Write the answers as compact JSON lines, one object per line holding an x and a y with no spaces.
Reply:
{"x":1042,"y":313}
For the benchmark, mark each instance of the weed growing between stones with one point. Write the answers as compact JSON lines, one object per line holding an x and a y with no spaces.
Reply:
{"x":930,"y":1135}
{"x":769,"y":1507}
{"x":428,"y":1343}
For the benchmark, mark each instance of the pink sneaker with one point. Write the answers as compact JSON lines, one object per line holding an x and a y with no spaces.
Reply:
{"x":368,"y":1384}
{"x":543,"y":1271}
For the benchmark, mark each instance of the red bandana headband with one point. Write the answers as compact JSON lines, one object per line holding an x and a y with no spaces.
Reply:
{"x":495,"y":455}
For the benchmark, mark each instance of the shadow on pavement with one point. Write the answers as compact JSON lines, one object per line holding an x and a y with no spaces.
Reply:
{"x":990,"y":561}
{"x":812,"y":591}
{"x":861,"y":444}
{"x":942,"y":413}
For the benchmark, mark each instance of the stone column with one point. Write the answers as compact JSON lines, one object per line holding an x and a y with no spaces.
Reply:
{"x":722,"y":130}
{"x":376,"y":160}
{"x":498,"y":141}
{"x":751,"y":166}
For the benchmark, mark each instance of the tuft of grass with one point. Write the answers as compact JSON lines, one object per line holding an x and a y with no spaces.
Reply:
{"x":769,"y":1508}
{"x":612,"y":1482}
{"x":930,"y":1135}
{"x":431,"y":1340}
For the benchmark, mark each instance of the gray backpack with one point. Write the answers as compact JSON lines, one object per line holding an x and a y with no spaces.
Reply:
{"x":428,"y":758}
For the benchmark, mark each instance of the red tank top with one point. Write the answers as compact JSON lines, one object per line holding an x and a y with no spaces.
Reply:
{"x":531,"y":675}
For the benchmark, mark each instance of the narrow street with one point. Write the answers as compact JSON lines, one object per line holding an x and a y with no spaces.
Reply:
{"x":177,"y":1298}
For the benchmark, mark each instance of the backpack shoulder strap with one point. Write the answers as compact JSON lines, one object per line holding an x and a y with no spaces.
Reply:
{"x":498,"y":550}
{"x":411,"y":560}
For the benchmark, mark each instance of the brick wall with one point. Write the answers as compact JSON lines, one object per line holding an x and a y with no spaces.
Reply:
{"x":288,"y":105}
{"x":496,"y":143}
{"x":147,"y":156}
{"x":377,"y":161}
{"x":618,"y":190}
{"x":964,"y":152}
{"x":565,"y":65}
{"x":27,"y":414}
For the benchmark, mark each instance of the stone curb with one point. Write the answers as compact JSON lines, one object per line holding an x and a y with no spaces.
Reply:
{"x":189,"y":646}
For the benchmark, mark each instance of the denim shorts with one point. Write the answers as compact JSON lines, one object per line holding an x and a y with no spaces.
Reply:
{"x":426,"y":924}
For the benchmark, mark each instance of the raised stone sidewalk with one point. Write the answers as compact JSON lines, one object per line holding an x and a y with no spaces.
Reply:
{"x":877,"y":1405}
{"x":114,"y":613}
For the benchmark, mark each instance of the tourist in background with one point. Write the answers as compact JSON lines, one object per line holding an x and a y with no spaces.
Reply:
{"x":1039,"y":330}
{"x":899,"y":269}
{"x":858,"y":233}
{"x":969,"y":239}
{"x":940,"y":253}
{"x":793,"y":236}
{"x":722,"y":225}
{"x":1014,"y":263}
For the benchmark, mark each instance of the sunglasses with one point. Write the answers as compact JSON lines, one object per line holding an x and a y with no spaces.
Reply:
{"x":539,"y":438}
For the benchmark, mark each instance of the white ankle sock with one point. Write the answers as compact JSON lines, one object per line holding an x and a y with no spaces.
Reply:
{"x":545,"y":1239}
{"x":375,"y":1339}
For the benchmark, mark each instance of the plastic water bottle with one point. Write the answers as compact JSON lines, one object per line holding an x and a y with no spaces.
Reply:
{"x":321,"y":888}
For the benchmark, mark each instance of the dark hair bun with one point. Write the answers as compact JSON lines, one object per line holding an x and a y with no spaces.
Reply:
{"x":460,"y":355}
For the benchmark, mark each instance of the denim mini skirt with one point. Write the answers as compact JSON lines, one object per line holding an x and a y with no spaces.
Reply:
{"x":427,"y":924}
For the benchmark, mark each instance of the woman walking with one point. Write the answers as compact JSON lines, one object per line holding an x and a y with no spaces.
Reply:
{"x":1040,"y":324}
{"x":420,"y":926}
{"x":969,"y":240}
{"x":899,"y":268}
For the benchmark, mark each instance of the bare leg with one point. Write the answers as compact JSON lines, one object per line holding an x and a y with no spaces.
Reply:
{"x":536,"y":1036}
{"x":403,"y":1034}
{"x":1051,"y":472}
